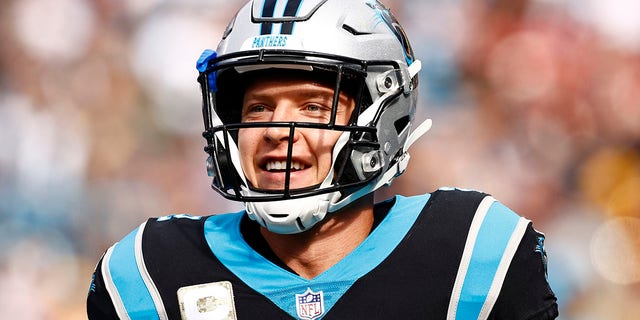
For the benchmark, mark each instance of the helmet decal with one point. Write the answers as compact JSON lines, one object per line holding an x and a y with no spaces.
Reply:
{"x":395,"y":27}
{"x":266,"y":12}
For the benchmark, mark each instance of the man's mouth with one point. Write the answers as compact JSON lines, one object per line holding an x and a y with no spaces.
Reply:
{"x":275,"y":166}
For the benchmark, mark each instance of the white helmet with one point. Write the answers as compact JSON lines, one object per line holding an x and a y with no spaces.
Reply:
{"x":356,"y":44}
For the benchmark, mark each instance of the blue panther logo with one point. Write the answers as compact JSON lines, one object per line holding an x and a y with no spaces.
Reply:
{"x":543,"y":254}
{"x":393,"y":24}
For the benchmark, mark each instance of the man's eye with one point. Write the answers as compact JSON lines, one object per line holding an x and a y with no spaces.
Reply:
{"x":257,"y":108}
{"x":317,"y":107}
{"x":313,"y":107}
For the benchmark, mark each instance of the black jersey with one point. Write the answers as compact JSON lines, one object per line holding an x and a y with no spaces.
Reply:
{"x":451,"y":254}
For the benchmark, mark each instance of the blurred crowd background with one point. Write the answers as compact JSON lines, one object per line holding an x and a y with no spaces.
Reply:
{"x":534,"y":101}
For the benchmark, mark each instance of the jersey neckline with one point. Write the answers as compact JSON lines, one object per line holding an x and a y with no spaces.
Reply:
{"x":223,"y":235}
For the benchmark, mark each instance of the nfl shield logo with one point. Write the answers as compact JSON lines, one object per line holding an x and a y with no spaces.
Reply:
{"x":310,"y":305}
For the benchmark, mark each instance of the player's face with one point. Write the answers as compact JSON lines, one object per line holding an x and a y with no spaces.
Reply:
{"x":263,"y":151}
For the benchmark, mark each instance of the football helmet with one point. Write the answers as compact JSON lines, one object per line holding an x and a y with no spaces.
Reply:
{"x":358,"y":47}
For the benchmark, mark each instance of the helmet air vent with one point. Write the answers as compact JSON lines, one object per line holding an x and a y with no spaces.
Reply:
{"x":401,"y":124}
{"x":353,"y":30}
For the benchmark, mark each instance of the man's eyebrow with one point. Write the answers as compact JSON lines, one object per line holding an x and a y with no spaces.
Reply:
{"x":306,"y":93}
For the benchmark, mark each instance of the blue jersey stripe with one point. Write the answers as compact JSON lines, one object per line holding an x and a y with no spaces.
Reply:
{"x":128,"y":281}
{"x":501,"y":273}
{"x":492,"y":239}
{"x":222,"y":233}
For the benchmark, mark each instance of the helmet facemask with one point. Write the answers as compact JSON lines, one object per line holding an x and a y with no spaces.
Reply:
{"x":221,"y":109}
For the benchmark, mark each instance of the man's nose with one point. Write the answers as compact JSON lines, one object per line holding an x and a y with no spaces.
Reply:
{"x":282,"y":113}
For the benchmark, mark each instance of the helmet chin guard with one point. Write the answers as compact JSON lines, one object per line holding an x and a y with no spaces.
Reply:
{"x":355,"y":47}
{"x":292,"y":215}
{"x":297,"y":214}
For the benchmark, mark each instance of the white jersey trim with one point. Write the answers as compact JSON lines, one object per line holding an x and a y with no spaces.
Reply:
{"x":501,"y":273}
{"x":111,"y":287}
{"x":481,"y":212}
{"x":142,"y":268}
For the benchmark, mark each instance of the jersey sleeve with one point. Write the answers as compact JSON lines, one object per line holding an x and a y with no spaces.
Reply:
{"x":526,"y":293}
{"x":99,"y":304}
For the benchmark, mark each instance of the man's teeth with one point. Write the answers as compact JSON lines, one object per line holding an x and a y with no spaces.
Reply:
{"x":282,"y":165}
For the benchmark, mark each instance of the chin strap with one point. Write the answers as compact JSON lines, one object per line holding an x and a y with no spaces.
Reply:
{"x":420,"y":130}
{"x":291,"y":215}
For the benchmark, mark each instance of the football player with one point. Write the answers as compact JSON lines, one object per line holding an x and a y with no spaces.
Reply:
{"x":308,"y":109}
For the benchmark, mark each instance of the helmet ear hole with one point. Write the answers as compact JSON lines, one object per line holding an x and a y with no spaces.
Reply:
{"x":401,"y":124}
